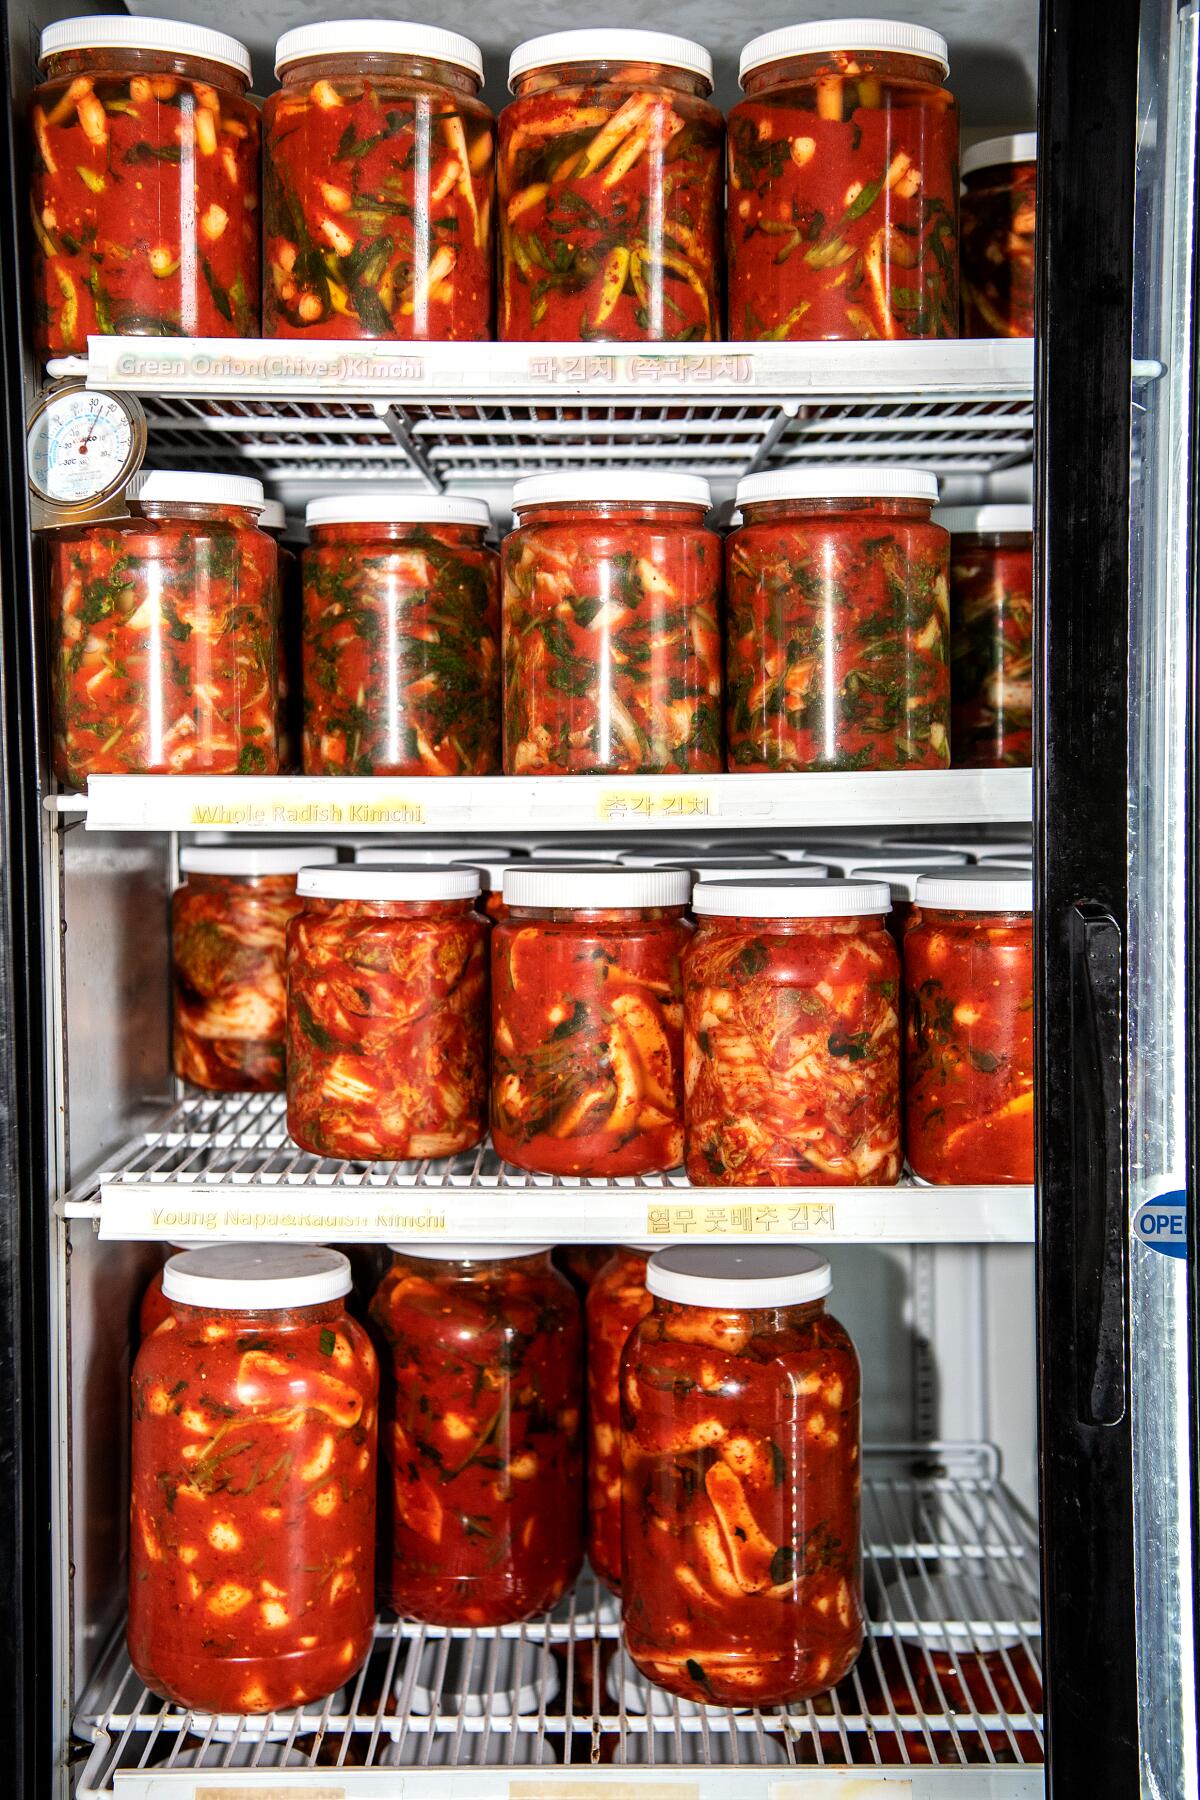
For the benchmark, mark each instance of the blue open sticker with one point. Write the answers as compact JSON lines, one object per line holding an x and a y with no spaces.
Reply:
{"x":1162,"y":1223}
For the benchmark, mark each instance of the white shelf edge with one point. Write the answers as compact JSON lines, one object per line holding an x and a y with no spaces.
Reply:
{"x":557,"y":1783}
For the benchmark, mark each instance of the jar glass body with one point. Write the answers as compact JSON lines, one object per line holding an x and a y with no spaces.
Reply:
{"x":145,"y":195}
{"x":999,"y":218}
{"x":162,"y":632}
{"x":842,"y":208}
{"x":378,"y":200}
{"x":252,"y":1507}
{"x":401,"y":651}
{"x":969,"y":1072}
{"x":612,"y":644}
{"x":616,"y":1301}
{"x":155,"y":1306}
{"x":838,"y":638}
{"x":228,"y":945}
{"x":288,"y":658}
{"x":609,"y":190}
{"x":791,"y":1045}
{"x":387,"y":1023}
{"x":587,"y":1041}
{"x":991,"y":649}
{"x":741,"y":1553}
{"x":484,"y":1437}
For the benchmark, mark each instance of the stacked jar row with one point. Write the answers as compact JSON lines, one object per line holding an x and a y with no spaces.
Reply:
{"x":841,"y":627}
{"x":762,"y":1048}
{"x":382,"y":171}
{"x":257,"y":1405}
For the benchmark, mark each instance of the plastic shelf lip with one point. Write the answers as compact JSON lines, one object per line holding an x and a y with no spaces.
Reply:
{"x":629,"y":803}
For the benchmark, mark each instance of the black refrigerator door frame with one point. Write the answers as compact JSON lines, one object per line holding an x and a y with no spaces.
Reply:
{"x":1082,"y":475}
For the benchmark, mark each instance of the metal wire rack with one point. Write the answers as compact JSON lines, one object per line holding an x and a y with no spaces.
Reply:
{"x":950,"y":1675}
{"x":224,"y":1165}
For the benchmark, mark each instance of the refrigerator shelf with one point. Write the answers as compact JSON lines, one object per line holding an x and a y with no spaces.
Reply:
{"x":450,"y":414}
{"x":951,"y":1567}
{"x":504,"y":803}
{"x":223,"y":1166}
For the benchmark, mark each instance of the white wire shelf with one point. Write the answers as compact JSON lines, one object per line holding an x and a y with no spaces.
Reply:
{"x":502,"y":803}
{"x":950,"y":1568}
{"x":454,"y":414}
{"x":224,"y":1167}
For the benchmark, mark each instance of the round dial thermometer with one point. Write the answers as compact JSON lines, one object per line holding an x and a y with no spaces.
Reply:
{"x":84,"y":445}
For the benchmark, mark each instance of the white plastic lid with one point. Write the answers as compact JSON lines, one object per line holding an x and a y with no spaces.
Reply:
{"x":738,"y":1276}
{"x":117,"y":31}
{"x":491,"y":869}
{"x":687,"y":859}
{"x":189,"y":487}
{"x":440,"y":1252}
{"x":1008,"y":864}
{"x":581,"y":850}
{"x":596,"y":886}
{"x":839,"y":481}
{"x":976,"y":890}
{"x":610,"y":45}
{"x":785,"y":897}
{"x":437,"y":856}
{"x":902,"y":881}
{"x":256,"y":1277}
{"x":844,"y":34}
{"x":254,"y":859}
{"x":992,"y":153}
{"x":881,"y":858}
{"x":384,"y":506}
{"x":973,"y":520}
{"x":633,"y":487}
{"x":272,"y":517}
{"x":399,"y":881}
{"x":378,"y":37}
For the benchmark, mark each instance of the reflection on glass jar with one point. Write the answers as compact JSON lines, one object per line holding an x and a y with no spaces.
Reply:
{"x":991,"y":635}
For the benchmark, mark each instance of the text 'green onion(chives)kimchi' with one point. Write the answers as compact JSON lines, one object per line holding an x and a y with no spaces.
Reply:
{"x":842,"y":207}
{"x":252,"y":1506}
{"x":609,"y":192}
{"x":145,"y":195}
{"x":378,"y":187}
{"x":484,"y":1435}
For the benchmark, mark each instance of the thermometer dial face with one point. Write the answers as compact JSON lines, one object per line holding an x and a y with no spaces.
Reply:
{"x":83,"y":446}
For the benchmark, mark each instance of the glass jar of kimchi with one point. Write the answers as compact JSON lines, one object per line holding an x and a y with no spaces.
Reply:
{"x":587,"y":1043}
{"x":842,"y":206}
{"x":612,"y":643}
{"x":991,"y":635}
{"x":145,"y":183}
{"x":229,"y":921}
{"x":273,"y":520}
{"x":999,"y":217}
{"x":401,"y":636}
{"x":491,"y":870}
{"x":791,"y":1034}
{"x":252,"y":1502}
{"x":484,"y":1438}
{"x":162,"y":634}
{"x":609,"y":190}
{"x":155,"y":1306}
{"x":838,"y":622}
{"x":968,"y":987}
{"x":617,"y":1299}
{"x":741,"y":1555}
{"x":387,"y":1013}
{"x":378,"y":158}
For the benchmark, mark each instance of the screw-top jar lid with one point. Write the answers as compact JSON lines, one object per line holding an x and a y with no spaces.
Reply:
{"x":192,"y":487}
{"x":596,"y":886}
{"x":854,"y":860}
{"x":606,"y":44}
{"x":384,"y":506}
{"x":844,"y":34}
{"x":399,"y":881}
{"x":576,"y":850}
{"x":902,"y":880}
{"x":272,"y":517}
{"x":736,"y":1276}
{"x":976,"y":890}
{"x":256,"y":1277}
{"x":963,"y":521}
{"x":993,"y":153}
{"x":254,"y":859}
{"x":751,"y":862}
{"x":375,"y":856}
{"x":628,"y":487}
{"x":117,"y":31}
{"x":771,"y":897}
{"x":378,"y":37}
{"x":441,"y":1252}
{"x":839,"y":481}
{"x":491,"y":869}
